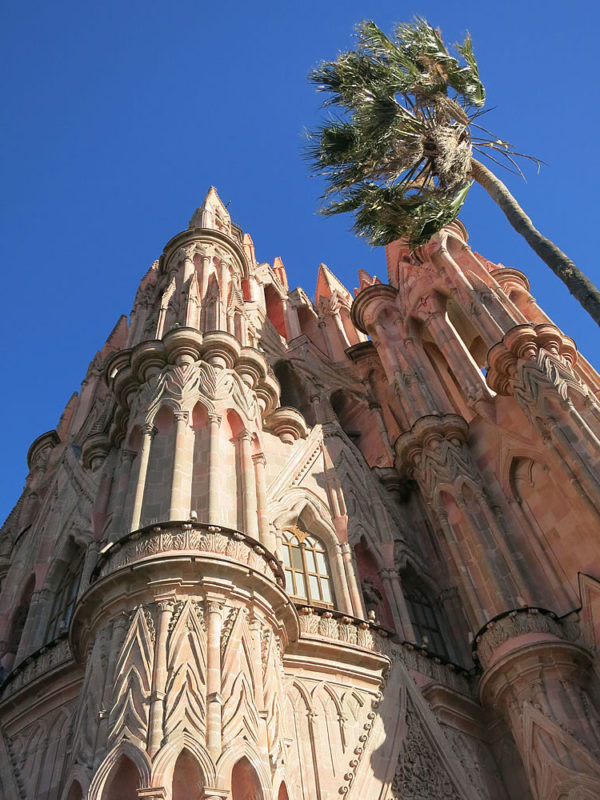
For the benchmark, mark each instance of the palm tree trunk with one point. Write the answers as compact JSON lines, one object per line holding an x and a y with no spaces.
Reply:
{"x":562,"y":266}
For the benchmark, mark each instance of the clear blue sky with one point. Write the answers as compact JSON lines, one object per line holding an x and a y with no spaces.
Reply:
{"x":117,"y":116}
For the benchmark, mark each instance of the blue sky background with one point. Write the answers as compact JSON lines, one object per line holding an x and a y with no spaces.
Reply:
{"x":117,"y":116}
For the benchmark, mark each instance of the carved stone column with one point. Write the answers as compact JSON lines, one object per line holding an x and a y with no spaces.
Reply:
{"x":538,"y":680}
{"x":159,"y":674}
{"x":436,"y":454}
{"x":291,"y":315}
{"x":215,"y":794}
{"x":459,"y":359}
{"x":535,"y":363}
{"x":117,"y":527}
{"x":340,"y":568}
{"x":149,"y":432}
{"x":181,"y":480}
{"x":351,"y":572}
{"x":248,"y":485}
{"x":265,"y":535}
{"x":119,"y":626}
{"x":394,"y":593}
{"x":89,"y":562}
{"x":213,"y":472}
{"x":214,"y":611}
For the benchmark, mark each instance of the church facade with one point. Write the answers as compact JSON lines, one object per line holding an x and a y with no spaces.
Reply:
{"x":279,"y":549}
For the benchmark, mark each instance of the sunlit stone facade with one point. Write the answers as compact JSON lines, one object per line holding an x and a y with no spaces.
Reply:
{"x":285,"y":550}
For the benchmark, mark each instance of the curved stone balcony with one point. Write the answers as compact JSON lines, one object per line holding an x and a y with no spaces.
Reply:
{"x":187,"y":539}
{"x":52,"y":656}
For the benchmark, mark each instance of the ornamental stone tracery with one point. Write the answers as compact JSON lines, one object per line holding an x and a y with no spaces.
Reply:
{"x":453,"y":651}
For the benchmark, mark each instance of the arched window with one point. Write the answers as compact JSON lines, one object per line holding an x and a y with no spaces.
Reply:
{"x":424,"y":617}
{"x":306,"y":569}
{"x":64,"y":600}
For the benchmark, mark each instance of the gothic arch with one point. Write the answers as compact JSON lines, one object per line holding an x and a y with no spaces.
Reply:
{"x":233,"y":755}
{"x":188,"y":779}
{"x":282,"y":794}
{"x":75,"y":791}
{"x":245,"y":782}
{"x":78,"y":776}
{"x":166,"y":758}
{"x":275,"y":310}
{"x":304,"y":508}
{"x":104,"y":774}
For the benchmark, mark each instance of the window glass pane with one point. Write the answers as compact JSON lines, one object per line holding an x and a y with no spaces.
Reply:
{"x":286,"y":556}
{"x":297,"y":558}
{"x":289,"y":582}
{"x":300,"y":585}
{"x":310,"y":561}
{"x":326,"y":590}
{"x":321,"y":564}
{"x":313,"y":582}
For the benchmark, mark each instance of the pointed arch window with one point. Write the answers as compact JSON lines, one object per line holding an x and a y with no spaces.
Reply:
{"x":307,"y":575}
{"x":425,"y":620}
{"x":64,"y":601}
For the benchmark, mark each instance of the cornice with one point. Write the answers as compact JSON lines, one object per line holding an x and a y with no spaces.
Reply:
{"x":365,"y":297}
{"x":189,"y":236}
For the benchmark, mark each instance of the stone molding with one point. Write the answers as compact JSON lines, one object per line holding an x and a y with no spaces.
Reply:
{"x":508,"y":277}
{"x":186,"y":364}
{"x":517,"y":622}
{"x":366,"y":297}
{"x":52,"y":655}
{"x":330,"y":624}
{"x":40,"y":448}
{"x":156,"y":540}
{"x":529,"y":343}
{"x":287,"y":423}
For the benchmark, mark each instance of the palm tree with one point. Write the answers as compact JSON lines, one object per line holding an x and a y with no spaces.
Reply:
{"x":399,"y":152}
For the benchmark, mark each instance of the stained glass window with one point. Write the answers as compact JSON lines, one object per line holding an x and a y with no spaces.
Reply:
{"x":306,"y":569}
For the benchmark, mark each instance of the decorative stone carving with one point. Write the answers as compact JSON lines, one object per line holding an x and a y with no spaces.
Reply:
{"x":190,"y":537}
{"x":434,"y":452}
{"x":420,"y":773}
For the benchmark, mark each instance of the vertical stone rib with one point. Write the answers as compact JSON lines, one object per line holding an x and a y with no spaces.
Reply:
{"x":159,"y":676}
{"x":248,"y":486}
{"x":149,"y":432}
{"x":213,"y":678}
{"x":213,"y":478}
{"x":181,"y":478}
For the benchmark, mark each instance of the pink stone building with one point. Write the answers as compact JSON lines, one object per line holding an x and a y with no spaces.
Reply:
{"x":285,"y":550}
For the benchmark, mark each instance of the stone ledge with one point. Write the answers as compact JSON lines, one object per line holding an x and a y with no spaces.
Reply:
{"x":189,"y":537}
{"x":54,"y":654}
